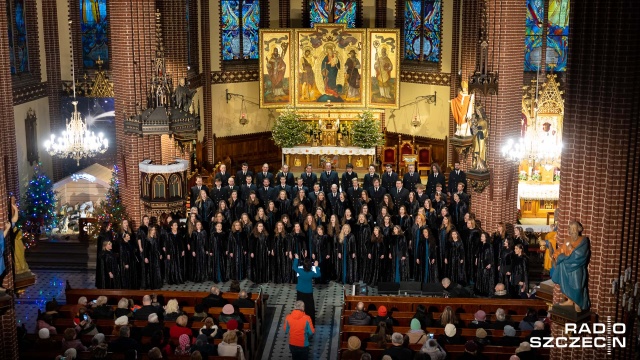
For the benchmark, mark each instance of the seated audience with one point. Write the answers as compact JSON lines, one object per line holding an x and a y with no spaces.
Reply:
{"x":153,"y":325}
{"x":180,"y":327}
{"x":482,"y":338}
{"x":202,"y":345}
{"x":199,"y":313}
{"x":448,"y":317}
{"x":243,"y":301}
{"x":471,"y":352}
{"x":234,"y":286}
{"x":383,"y":316}
{"x":529,"y":320}
{"x":353,"y":351}
{"x":525,"y":352}
{"x":229,"y":312}
{"x":97,"y":340}
{"x":500,"y":292}
{"x":119,"y":323}
{"x":359,"y":316}
{"x":422,"y":316}
{"x":172,"y":310}
{"x":154,"y":354}
{"x":209,"y":329}
{"x":398,"y":351}
{"x":101,"y":310}
{"x":479,"y":320}
{"x":416,"y":335}
{"x":123,"y":309}
{"x":501,"y":320}
{"x":382,"y":335}
{"x":50,"y":313}
{"x":100,"y":351}
{"x":70,"y":340}
{"x":214,"y":299}
{"x":538,"y":330}
{"x":84,"y":324}
{"x":431,"y":350}
{"x":184,"y":345}
{"x":123,"y":342}
{"x":229,"y":346}
{"x":45,"y":342}
{"x":82,"y":303}
{"x":509,"y":337}
{"x":70,"y":354}
{"x":146,"y":309}
{"x":451,"y":336}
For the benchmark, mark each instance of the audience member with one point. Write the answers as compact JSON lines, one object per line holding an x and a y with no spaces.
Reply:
{"x":509,"y":337}
{"x":196,"y":355}
{"x":202,"y":345}
{"x":500,"y":292}
{"x":184,"y":345}
{"x":146,"y":309}
{"x":123,"y":342}
{"x":229,"y":312}
{"x":353,"y":351}
{"x":501,"y":320}
{"x":123,"y":309}
{"x":359,"y":316}
{"x":199,"y":313}
{"x":100,"y":351}
{"x":180,"y":327}
{"x":119,"y":323}
{"x":154,"y":354}
{"x":448,"y":317}
{"x":229,"y":346}
{"x":97,"y":339}
{"x":69,"y":340}
{"x":529,"y":320}
{"x":153,"y":325}
{"x":84,"y":324}
{"x":384,"y":316}
{"x":82,"y":303}
{"x":525,"y":352}
{"x":234,"y":286}
{"x":538,"y":330}
{"x":422,"y":316}
{"x":432,"y":351}
{"x":214,"y":299}
{"x":172,"y":310}
{"x":382,"y":335}
{"x":45,"y":342}
{"x":398,"y":351}
{"x":471,"y":351}
{"x":209,"y":329}
{"x":479,"y":320}
{"x":70,"y":354}
{"x":101,"y":309}
{"x":482,"y":338}
{"x":451,"y":336}
{"x":416,"y":334}
{"x":243,"y":301}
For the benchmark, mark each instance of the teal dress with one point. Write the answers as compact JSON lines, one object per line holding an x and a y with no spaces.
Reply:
{"x":571,"y":274}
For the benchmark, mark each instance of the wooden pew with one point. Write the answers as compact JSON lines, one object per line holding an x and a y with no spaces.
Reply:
{"x":404,"y":318}
{"x":86,"y":355}
{"x":364,"y":332}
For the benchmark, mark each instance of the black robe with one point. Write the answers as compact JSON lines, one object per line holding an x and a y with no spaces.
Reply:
{"x":414,"y":236}
{"x":348,"y":263}
{"x":319,"y":251}
{"x":376,"y":249}
{"x":108,"y":263}
{"x":103,"y":237}
{"x":217,"y":249}
{"x":206,"y":210}
{"x":362,"y":233}
{"x":504,"y":264}
{"x":282,"y":262}
{"x":129,"y":265}
{"x":152,"y":253}
{"x":443,"y":245}
{"x":236,"y":209}
{"x":283,"y":206}
{"x":388,"y":262}
{"x":262,"y":258}
{"x":233,"y":254}
{"x":519,"y":273}
{"x":485,"y":278}
{"x":199,"y":247}
{"x":471,"y":247}
{"x":456,"y":270}
{"x":173,"y":258}
{"x":426,"y":272}
{"x":141,"y":236}
{"x":247,"y":247}
{"x":400,"y":268}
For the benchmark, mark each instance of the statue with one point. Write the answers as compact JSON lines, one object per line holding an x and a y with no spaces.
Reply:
{"x":571,"y":260}
{"x":462,"y":110}
{"x":480,"y":130}
{"x":183,"y":96}
{"x":297,"y":162}
{"x":359,"y":162}
{"x":20,"y":263}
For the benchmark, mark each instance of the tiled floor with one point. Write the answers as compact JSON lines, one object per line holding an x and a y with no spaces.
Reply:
{"x":328,"y":298}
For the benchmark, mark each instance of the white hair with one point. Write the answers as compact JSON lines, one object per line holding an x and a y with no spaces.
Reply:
{"x":299,"y":305}
{"x":397,"y":338}
{"x":500,"y":314}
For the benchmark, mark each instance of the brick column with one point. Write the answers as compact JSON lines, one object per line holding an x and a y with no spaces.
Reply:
{"x":600,"y":161}
{"x":133,"y":44}
{"x":207,"y":103}
{"x":506,"y":26}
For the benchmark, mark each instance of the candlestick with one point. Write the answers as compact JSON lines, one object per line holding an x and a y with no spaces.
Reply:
{"x":630,"y":305}
{"x":614,"y":285}
{"x":635,"y":289}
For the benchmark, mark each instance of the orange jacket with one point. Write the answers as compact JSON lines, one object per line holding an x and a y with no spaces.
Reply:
{"x":299,"y":327}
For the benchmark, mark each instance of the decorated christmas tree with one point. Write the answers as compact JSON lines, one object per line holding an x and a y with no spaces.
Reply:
{"x":289,"y":131}
{"x":111,"y":209}
{"x":366,"y":132}
{"x":38,"y":206}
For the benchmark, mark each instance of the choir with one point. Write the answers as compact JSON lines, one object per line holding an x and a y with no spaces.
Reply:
{"x":382,"y":233}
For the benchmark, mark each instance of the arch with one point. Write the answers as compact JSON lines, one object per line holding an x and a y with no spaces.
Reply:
{"x":175,"y":186}
{"x":159,"y":187}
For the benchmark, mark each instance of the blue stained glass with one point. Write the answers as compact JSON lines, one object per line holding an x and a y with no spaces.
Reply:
{"x":319,"y":11}
{"x":345,"y":13}
{"x":250,"y":26}
{"x":21,"y":52}
{"x":535,"y":17}
{"x":12,"y":58}
{"x":558,"y":16}
{"x":412,"y":27}
{"x":432,"y":18}
{"x":95,"y":29}
{"x":532,"y":53}
{"x":557,"y":52}
{"x":231,"y":29}
{"x":422,"y":30}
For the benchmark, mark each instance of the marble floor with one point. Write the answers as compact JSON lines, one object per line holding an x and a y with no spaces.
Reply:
{"x":324,"y":344}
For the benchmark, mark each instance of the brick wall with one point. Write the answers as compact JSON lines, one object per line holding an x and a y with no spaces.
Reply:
{"x":600,"y":163}
{"x":207,"y":102}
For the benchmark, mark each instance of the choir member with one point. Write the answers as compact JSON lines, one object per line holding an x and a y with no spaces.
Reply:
{"x":320,"y":250}
{"x":521,"y":238}
{"x":471,"y":246}
{"x":454,"y":261}
{"x":199,"y":253}
{"x":342,"y":204}
{"x":300,"y":214}
{"x":129,"y":262}
{"x":320,"y":217}
{"x":152,"y":259}
{"x":399,"y":255}
{"x":321,"y":201}
{"x":362,"y":232}
{"x":367,"y":215}
{"x":332,"y":200}
{"x":505,"y":258}
{"x":223,"y":209}
{"x":261,"y":216}
{"x":347,"y":255}
{"x":236,"y":206}
{"x":109,"y":269}
{"x":219,"y":218}
{"x":283,"y":255}
{"x":273,"y":216}
{"x":369,"y":178}
{"x":308,"y":177}
{"x":426,"y":264}
{"x":376,"y":252}
{"x":431,"y":215}
{"x":235,"y":251}
{"x":261,"y":253}
{"x":301,"y":198}
{"x":403,"y":220}
{"x":443,"y":242}
{"x":438,"y":203}
{"x":309,"y":228}
{"x":174,"y":255}
{"x":283,"y":204}
{"x":348,"y":218}
{"x":497,"y":241}
{"x":485,"y":276}
{"x":412,"y":204}
{"x":252,"y":204}
{"x":387,"y":236}
{"x":458,"y":209}
{"x":217,"y":249}
{"x":363,"y":201}
{"x":105,"y":235}
{"x":414,"y":244}
{"x":519,"y":272}
{"x":333,"y":233}
{"x":288,"y":226}
{"x":381,"y":215}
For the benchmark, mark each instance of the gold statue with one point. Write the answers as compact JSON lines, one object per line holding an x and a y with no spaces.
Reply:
{"x":359,"y":162}
{"x":462,"y":110}
{"x":329,"y":132}
{"x":20,"y":263}
{"x":297,"y":162}
{"x":480,"y":130}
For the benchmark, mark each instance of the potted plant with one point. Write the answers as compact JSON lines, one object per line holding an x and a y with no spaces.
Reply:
{"x":288,"y":131}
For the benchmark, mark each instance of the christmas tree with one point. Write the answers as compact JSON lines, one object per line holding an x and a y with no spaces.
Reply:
{"x":111,"y":209}
{"x":367,"y":132}
{"x":38,"y":205}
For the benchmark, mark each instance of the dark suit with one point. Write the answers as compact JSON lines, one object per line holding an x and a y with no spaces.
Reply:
{"x":279,"y":188}
{"x":260,"y":176}
{"x":333,"y":203}
{"x":354,"y":194}
{"x":309,"y":180}
{"x":242,"y":178}
{"x":195,"y":193}
{"x":229,"y":189}
{"x":454,"y":179}
{"x":312,"y":196}
{"x":463,"y":196}
{"x":433,"y":180}
{"x":295,"y":190}
{"x":291,"y":181}
{"x":224,"y":178}
{"x":216,"y":195}
{"x":422,"y":198}
{"x":246,"y":190}
{"x":368,"y":180}
{"x":389,"y":181}
{"x":326,"y":180}
{"x":214,"y":301}
{"x":264,"y":195}
{"x":409,"y":182}
{"x":376,"y":197}
{"x":443,"y":197}
{"x":399,"y":198}
{"x":346,"y":180}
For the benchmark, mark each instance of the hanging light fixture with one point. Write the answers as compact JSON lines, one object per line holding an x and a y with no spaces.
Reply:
{"x":77,"y":141}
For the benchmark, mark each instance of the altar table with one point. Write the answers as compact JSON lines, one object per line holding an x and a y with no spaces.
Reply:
{"x":298,"y":157}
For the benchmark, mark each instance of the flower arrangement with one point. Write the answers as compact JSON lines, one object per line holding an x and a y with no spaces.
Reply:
{"x":288,"y":130}
{"x":556,"y":175}
{"x":536,"y":176}
{"x":523,"y":176}
{"x":366,"y":132}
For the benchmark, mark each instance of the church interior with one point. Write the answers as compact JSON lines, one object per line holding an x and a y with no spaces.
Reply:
{"x":441,"y":162}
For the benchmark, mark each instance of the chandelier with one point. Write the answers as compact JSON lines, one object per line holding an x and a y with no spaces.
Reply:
{"x":76,"y":142}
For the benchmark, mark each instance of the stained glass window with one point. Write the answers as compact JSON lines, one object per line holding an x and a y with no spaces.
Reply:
{"x":240,"y":17}
{"x":557,"y":37}
{"x":422,"y":20}
{"x":342,"y":12}
{"x":94,"y":28}
{"x":17,"y":32}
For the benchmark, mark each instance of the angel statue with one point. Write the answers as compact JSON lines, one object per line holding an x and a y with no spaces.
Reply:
{"x":480,"y":131}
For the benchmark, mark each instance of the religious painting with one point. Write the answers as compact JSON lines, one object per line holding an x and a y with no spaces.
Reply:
{"x":383,"y":69}
{"x":330,"y":64}
{"x":275,"y":68}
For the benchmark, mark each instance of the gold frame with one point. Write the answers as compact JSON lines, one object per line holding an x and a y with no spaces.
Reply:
{"x":387,"y":34}
{"x":331,"y":31}
{"x":273,"y":34}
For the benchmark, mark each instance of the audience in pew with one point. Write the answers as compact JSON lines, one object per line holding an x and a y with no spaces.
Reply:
{"x":501,"y":320}
{"x":482,"y":338}
{"x":83,"y":323}
{"x":359,"y":317}
{"x":479,"y":320}
{"x":82,"y":304}
{"x":153,"y":325}
{"x":416,"y":334}
{"x":180,"y":327}
{"x":172,"y":310}
{"x":123,"y":342}
{"x":199,"y":314}
{"x":422,"y":316}
{"x":146,"y":309}
{"x":229,"y":313}
{"x":101,"y":310}
{"x":69,"y":354}
{"x":354,"y":351}
{"x":98,"y":339}
{"x":509,"y":337}
{"x":229,"y":346}
{"x":184,"y":345}
{"x":448,"y":317}
{"x":214,"y":299}
{"x":45,"y":342}
{"x":70,"y":341}
{"x":471,"y":352}
{"x":398,"y":351}
{"x":209,"y":329}
{"x":202,"y":345}
{"x":154,"y":354}
{"x":525,"y":352}
{"x":384,"y":316}
{"x":539,"y":330}
{"x":243,"y":301}
{"x":100,"y":351}
{"x":450,"y":336}
{"x":500,"y":292}
{"x":119,"y":323}
{"x":382,"y":335}
{"x":123,"y":309}
{"x":528,"y":322}
{"x":431,"y":350}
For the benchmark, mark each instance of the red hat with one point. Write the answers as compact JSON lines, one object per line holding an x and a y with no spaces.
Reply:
{"x":382,"y":310}
{"x":232,"y":324}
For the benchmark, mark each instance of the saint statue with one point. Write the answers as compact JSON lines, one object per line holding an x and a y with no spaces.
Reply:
{"x":480,"y":130}
{"x":183,"y":96}
{"x":276,"y":69}
{"x":20,"y":263}
{"x":383,"y":67}
{"x":462,"y":110}
{"x":571,"y":261}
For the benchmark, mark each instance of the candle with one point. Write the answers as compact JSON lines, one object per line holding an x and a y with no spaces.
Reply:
{"x":630,"y":305}
{"x":614,"y":285}
{"x":621,"y":280}
{"x":635,"y":289}
{"x":624,"y":300}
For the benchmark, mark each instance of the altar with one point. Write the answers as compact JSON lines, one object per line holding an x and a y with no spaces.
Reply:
{"x":339,"y":156}
{"x":536,"y":200}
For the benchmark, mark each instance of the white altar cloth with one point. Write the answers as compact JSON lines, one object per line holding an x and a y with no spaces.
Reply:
{"x":328,"y":150}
